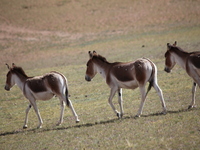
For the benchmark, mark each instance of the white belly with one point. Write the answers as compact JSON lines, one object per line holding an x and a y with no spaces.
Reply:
{"x":43,"y":95}
{"x":128,"y":85}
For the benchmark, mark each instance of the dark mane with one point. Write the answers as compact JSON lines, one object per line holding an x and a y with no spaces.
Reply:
{"x":178,"y":48}
{"x":19,"y":70}
{"x":101,"y":58}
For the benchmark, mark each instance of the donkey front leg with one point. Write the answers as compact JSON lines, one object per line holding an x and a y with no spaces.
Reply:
{"x":26,"y":118}
{"x":33,"y":103}
{"x":120,"y":100}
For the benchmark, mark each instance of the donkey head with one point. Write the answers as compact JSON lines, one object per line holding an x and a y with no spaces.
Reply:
{"x":9,"y":78}
{"x":91,"y":70}
{"x":169,"y":59}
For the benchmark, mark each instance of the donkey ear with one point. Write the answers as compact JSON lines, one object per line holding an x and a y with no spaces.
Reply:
{"x":13,"y":65}
{"x":168,"y":46}
{"x":90,"y":54}
{"x":8,"y":66}
{"x":95,"y":53}
{"x":175,"y":43}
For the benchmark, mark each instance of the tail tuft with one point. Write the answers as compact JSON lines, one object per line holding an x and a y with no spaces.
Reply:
{"x":151,"y":79}
{"x":149,"y":87}
{"x":67,"y":97}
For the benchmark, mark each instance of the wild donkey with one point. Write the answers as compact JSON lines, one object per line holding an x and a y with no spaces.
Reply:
{"x":188,"y":61}
{"x":129,"y":75}
{"x":40,"y":88}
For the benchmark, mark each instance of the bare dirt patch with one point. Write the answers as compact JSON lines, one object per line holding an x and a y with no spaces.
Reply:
{"x":39,"y":26}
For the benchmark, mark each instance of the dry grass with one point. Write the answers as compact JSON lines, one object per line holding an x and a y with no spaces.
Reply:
{"x":43,"y":27}
{"x":50,"y":35}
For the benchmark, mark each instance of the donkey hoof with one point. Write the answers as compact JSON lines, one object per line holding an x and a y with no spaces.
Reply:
{"x":191,"y":106}
{"x":122,"y":115}
{"x":58,"y":124}
{"x":39,"y":127}
{"x":137,"y":116}
{"x":25,"y":127}
{"x":77,"y":121}
{"x":119,"y":115}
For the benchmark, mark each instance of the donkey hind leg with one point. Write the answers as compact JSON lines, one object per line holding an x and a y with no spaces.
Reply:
{"x":73,"y":110}
{"x":194,"y":87}
{"x":160,"y":94}
{"x":143,"y":98}
{"x":26,"y":118}
{"x":62,"y":108}
{"x":112,"y":93}
{"x":120,"y":101}
{"x":69,"y":104}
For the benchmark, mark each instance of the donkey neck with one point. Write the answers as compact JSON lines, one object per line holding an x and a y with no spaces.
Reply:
{"x":180,"y":57}
{"x":102,"y":67}
{"x":20,"y":80}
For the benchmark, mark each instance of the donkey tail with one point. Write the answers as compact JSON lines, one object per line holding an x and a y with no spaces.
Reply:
{"x":149,"y":87}
{"x":67,"y":97}
{"x":151,"y":79}
{"x":66,"y":89}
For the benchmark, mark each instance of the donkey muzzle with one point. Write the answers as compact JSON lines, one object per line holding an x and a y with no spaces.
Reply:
{"x":87,"y":78}
{"x":167,"y":70}
{"x":7,"y":88}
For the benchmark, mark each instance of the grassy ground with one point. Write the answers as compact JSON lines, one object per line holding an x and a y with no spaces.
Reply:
{"x":42,"y":36}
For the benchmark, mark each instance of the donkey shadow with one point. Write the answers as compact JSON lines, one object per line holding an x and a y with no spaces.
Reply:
{"x":171,"y":112}
{"x":35,"y":130}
